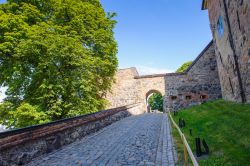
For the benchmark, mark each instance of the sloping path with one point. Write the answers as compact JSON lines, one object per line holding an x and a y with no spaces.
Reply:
{"x":137,"y":140}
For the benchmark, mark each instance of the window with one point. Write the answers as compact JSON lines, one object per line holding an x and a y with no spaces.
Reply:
{"x":173,"y":97}
{"x":231,"y":85}
{"x":188,"y":97}
{"x":212,"y":67}
{"x":203,"y":97}
{"x":221,"y":59}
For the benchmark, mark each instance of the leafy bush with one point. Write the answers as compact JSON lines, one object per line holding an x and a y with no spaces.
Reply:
{"x":184,"y":67}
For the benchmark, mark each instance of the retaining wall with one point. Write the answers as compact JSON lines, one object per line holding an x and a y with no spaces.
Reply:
{"x":18,"y":147}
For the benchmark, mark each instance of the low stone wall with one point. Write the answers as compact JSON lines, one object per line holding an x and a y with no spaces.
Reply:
{"x":18,"y":147}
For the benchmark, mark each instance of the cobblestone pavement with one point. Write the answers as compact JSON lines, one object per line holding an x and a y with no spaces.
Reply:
{"x":137,"y":140}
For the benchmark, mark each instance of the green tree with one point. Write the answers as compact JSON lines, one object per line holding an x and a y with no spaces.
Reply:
{"x":57,"y":58}
{"x":184,"y":67}
{"x":156,"y":102}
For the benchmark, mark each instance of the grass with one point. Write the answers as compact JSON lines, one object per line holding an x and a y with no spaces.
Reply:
{"x":226,"y":128}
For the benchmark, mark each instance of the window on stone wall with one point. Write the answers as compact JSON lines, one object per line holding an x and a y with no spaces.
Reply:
{"x":188,"y":97}
{"x":220,"y":27}
{"x":231,"y":85}
{"x":212,"y":67}
{"x":221,"y":59}
{"x":203,"y":97}
{"x":173,"y":97}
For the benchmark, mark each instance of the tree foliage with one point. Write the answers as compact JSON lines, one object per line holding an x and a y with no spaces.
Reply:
{"x":156,"y":102}
{"x":184,"y":67}
{"x":57,"y":58}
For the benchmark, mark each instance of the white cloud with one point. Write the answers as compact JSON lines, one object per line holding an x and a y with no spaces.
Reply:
{"x":146,"y":70}
{"x":2,"y":93}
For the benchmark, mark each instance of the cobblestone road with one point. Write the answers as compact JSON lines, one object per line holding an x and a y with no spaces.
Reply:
{"x":137,"y":140}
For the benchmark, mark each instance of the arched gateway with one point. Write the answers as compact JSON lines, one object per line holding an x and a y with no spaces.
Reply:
{"x":148,"y":95}
{"x":130,"y":88}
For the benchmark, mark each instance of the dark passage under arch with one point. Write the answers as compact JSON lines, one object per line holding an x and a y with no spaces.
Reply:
{"x":147,"y":97}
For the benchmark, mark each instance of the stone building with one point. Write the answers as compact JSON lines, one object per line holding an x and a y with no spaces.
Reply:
{"x":230,"y":26}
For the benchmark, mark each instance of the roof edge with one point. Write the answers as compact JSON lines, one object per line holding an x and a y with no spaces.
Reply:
{"x":204,"y":5}
{"x":199,"y":56}
{"x":131,"y":68}
{"x":150,"y":76}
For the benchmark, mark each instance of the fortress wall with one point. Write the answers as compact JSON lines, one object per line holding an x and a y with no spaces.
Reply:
{"x":147,"y":85}
{"x":125,"y":89}
{"x":198,"y":84}
{"x":231,"y":33}
{"x":130,"y":88}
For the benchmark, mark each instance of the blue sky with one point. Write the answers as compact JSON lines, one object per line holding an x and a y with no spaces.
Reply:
{"x":158,"y":36}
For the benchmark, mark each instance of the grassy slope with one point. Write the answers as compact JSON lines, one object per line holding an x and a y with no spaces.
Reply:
{"x":226,"y":129}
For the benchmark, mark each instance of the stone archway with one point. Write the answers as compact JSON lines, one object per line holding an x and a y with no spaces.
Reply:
{"x":148,"y":95}
{"x":130,"y":88}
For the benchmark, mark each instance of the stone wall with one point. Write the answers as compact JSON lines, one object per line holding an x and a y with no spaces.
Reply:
{"x":230,"y":25}
{"x":131,"y":88}
{"x":20,"y":146}
{"x":198,"y":84}
{"x":147,"y":85}
{"x":125,"y":89}
{"x":150,"y":84}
